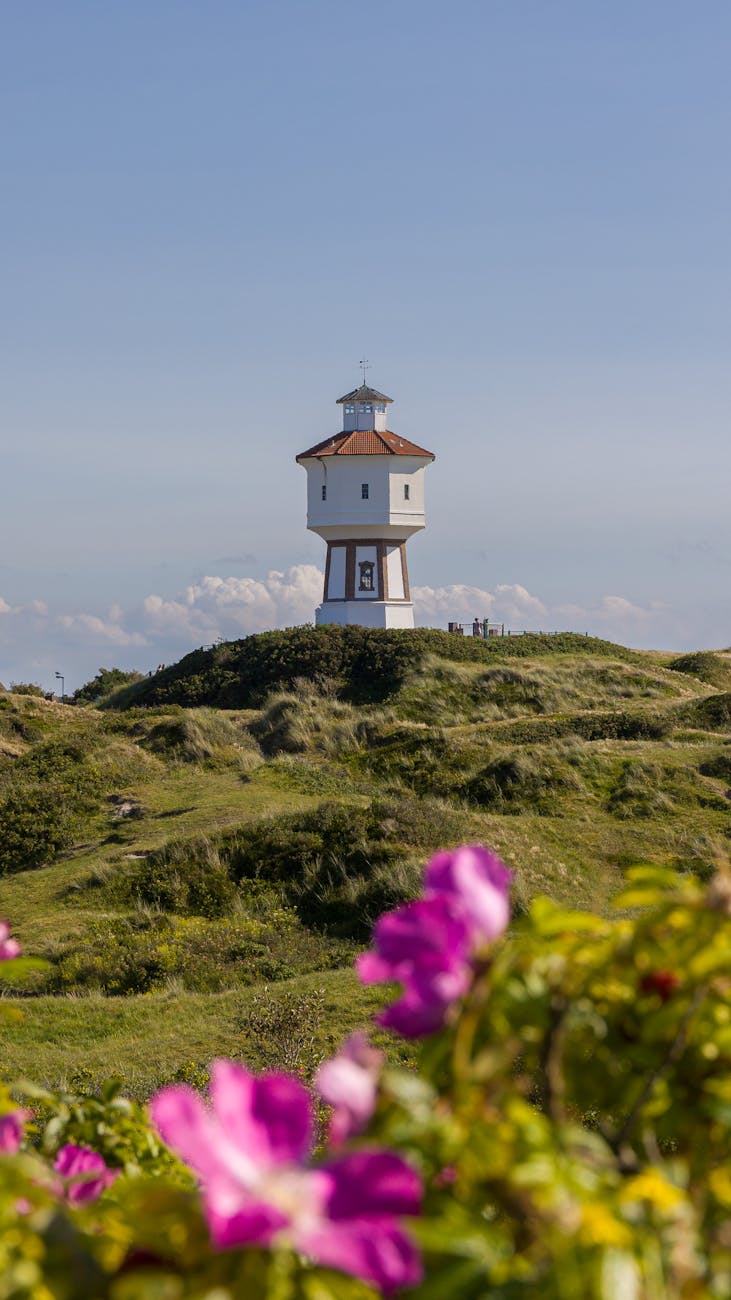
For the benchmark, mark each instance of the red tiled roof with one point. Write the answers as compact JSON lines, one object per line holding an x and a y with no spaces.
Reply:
{"x":365,"y":442}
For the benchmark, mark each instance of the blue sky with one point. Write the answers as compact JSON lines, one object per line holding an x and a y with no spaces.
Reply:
{"x":520,"y":212}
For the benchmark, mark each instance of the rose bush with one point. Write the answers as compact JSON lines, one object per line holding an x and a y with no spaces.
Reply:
{"x":565,"y":1134}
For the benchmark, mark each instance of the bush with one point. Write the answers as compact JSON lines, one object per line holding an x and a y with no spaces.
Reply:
{"x":428,"y":761}
{"x":518,"y":783}
{"x":637,"y":792}
{"x":205,"y":737}
{"x":37,"y":822}
{"x":197,"y":885}
{"x":27,"y":688}
{"x":138,"y":953}
{"x":566,"y":1116}
{"x":617,"y":724}
{"x":291,"y":722}
{"x":338,"y":867}
{"x":285,"y":1030}
{"x":719,"y":766}
{"x":106,"y":682}
{"x":370,"y":663}
{"x":46,"y":798}
{"x":704,"y":665}
{"x":711,"y":714}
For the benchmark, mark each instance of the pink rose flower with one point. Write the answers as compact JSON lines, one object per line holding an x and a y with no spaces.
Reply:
{"x":250,"y":1150}
{"x":478,"y":884}
{"x":11,"y":1130}
{"x":9,"y":948}
{"x":429,"y":946}
{"x":349,"y":1083}
{"x":425,"y":947}
{"x":84,"y":1173}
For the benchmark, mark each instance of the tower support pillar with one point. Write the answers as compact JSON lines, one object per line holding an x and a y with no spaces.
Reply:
{"x":367,"y":582}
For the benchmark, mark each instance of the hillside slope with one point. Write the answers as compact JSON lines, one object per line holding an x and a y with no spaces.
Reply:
{"x":170,"y":862}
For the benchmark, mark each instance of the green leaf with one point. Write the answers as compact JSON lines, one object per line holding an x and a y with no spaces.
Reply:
{"x":550,"y":919}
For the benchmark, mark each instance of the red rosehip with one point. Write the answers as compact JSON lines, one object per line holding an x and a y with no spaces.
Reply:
{"x":662,"y":982}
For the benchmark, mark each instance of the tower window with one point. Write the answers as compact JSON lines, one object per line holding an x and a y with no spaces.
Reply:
{"x":380,"y":407}
{"x":366,"y":408}
{"x":407,"y":491}
{"x":350,"y":408}
{"x":366,"y":575}
{"x":364,"y":491}
{"x":324,"y":491}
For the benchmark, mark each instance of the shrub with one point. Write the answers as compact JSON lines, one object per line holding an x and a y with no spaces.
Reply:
{"x":27,"y":688}
{"x":518,"y":783}
{"x":704,"y":665}
{"x":370,"y":663}
{"x":565,"y":1116}
{"x":197,"y":886}
{"x":428,"y":761}
{"x":137,"y":953}
{"x":284,"y":1030}
{"x":104,"y":684}
{"x":710,"y":714}
{"x":45,"y":799}
{"x":335,"y":865}
{"x":637,"y":792}
{"x":338,"y":867}
{"x":718,"y":766}
{"x":37,"y":822}
{"x":205,"y":737}
{"x":616,"y":724}
{"x":292,"y":722}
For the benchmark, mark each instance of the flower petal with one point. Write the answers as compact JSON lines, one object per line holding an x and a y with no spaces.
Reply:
{"x":250,"y":1224}
{"x":85,"y":1172}
{"x":267,"y":1117}
{"x":349,"y":1083}
{"x":372,"y":1183}
{"x":378,"y":1252}
{"x":479,"y":882}
{"x":187,"y":1126}
{"x":11,"y":1130}
{"x":411,"y":932}
{"x":372,"y":969}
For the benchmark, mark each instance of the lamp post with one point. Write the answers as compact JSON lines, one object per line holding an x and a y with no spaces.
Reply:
{"x":63,"y":687}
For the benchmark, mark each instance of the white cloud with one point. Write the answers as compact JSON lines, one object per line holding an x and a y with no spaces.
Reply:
{"x":234,"y":607}
{"x":96,"y":629}
{"x":508,"y":603}
{"x":37,"y":607}
{"x":614,"y":617}
{"x":34,"y":639}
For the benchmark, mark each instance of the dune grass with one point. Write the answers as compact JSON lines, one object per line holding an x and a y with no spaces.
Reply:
{"x":274,"y":834}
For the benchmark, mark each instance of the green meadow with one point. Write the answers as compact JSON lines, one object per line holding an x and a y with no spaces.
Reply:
{"x":198,"y":856}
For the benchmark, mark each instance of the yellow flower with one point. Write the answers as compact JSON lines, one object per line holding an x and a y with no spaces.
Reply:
{"x":720,"y":1184}
{"x":653,"y":1187}
{"x":599,"y":1227}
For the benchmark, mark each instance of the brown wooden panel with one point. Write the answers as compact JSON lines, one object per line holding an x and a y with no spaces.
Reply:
{"x":350,"y":571}
{"x":405,"y":571}
{"x":327,"y":571}
{"x":381,"y":571}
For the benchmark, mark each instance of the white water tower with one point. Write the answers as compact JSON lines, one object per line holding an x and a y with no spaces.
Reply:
{"x":365,"y":498}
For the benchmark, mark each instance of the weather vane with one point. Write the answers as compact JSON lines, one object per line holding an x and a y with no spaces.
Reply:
{"x":364,"y":364}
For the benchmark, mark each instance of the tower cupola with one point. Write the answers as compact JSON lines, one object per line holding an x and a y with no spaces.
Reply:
{"x":364,"y":408}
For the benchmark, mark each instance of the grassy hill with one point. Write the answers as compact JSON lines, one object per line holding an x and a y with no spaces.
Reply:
{"x":199,"y":858}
